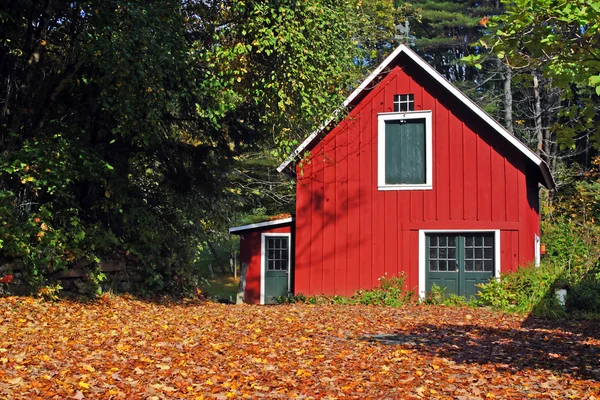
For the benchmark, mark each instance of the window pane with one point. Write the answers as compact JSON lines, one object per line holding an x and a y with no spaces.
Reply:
{"x":433,"y":253}
{"x":469,"y":241}
{"x":442,"y":265}
{"x":488,"y":265}
{"x":405,"y":152}
{"x":433,"y":266}
{"x":487,"y":241}
{"x":478,"y":266}
{"x":469,"y":265}
{"x":478,"y":241}
{"x":452,"y":266}
{"x":488,"y":253}
{"x":469,"y":254}
{"x":478,"y":253}
{"x":452,"y":241}
{"x":452,"y":254}
{"x":433,"y":241}
{"x":443,"y":254}
{"x":443,"y":241}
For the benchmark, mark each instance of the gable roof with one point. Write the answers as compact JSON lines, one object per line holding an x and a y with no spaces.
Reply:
{"x":548,"y":181}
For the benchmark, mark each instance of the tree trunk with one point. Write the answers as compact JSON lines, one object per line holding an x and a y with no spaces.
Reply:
{"x":508,"y":99}
{"x":219,"y":263}
{"x":242,"y":288}
{"x":539,"y":134}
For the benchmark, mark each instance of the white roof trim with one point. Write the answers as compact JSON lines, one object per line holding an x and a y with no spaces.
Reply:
{"x":261,"y":225}
{"x":457,"y":93}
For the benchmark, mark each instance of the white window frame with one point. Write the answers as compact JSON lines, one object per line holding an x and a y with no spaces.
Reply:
{"x":399,"y":101}
{"x":423,"y":249}
{"x":263,"y":261}
{"x":382,"y":118}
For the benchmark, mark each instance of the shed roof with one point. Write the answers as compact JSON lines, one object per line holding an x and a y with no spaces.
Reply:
{"x":349,"y":103}
{"x":270,"y":224}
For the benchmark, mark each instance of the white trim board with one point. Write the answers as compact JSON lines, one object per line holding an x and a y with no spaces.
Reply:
{"x":422,"y":249}
{"x":263,"y":259}
{"x":382,"y":118}
{"x":273,"y":223}
{"x":547,"y":177}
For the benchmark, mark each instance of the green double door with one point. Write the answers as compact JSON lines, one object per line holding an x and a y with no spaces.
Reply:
{"x":277,"y":265}
{"x":459,"y":261}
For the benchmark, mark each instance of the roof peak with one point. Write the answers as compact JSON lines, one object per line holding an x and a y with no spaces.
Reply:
{"x":403,"y":49}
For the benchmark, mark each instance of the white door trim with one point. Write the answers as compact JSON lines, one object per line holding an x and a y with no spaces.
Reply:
{"x":422,"y":249}
{"x":263,"y":259}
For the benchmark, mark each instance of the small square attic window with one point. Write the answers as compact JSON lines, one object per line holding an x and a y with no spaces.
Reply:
{"x":404,"y":102}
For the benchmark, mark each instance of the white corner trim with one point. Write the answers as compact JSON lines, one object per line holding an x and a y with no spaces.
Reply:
{"x":261,"y":225}
{"x":422,"y":266}
{"x":263,"y":261}
{"x":453,"y":90}
{"x":382,"y":118}
{"x":537,"y":249}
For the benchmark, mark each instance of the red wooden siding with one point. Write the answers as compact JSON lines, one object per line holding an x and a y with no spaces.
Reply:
{"x":250,"y":253}
{"x":349,"y":233}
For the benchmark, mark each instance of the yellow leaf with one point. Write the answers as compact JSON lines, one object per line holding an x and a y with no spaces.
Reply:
{"x":84,"y":385}
{"x":87,"y":367}
{"x":434,"y":366}
{"x":420,"y":373}
{"x":163,"y":367}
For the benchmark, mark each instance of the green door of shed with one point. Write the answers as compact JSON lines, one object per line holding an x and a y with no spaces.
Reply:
{"x":459,"y":262}
{"x":277,"y":265}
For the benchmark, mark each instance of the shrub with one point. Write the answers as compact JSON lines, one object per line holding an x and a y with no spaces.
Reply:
{"x":585,"y":296}
{"x":389,"y":292}
{"x":521,"y":290}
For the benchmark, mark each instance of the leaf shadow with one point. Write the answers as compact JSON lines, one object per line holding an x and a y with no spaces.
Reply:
{"x":540,"y":346}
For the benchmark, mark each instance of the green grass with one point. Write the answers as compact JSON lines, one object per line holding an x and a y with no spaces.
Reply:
{"x":224,"y":286}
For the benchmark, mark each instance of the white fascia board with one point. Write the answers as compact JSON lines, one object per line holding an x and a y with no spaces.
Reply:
{"x":457,"y":93}
{"x":261,"y":225}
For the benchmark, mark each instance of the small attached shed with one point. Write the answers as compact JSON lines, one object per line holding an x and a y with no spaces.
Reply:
{"x":268,"y":273}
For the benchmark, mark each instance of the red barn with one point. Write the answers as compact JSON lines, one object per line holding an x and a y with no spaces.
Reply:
{"x":416,"y":179}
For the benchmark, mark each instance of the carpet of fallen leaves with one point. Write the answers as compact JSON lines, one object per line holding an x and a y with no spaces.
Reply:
{"x":120,"y":347}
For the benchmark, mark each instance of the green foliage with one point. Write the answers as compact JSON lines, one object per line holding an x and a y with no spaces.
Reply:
{"x":562,"y":39}
{"x":390,"y":292}
{"x":522,"y":290}
{"x":438,"y":296}
{"x":50,"y":292}
{"x":585,"y":296}
{"x":121,"y":121}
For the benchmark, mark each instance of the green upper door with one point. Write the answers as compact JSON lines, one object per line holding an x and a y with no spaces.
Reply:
{"x":459,"y":262}
{"x":405,"y":152}
{"x":277,"y":264}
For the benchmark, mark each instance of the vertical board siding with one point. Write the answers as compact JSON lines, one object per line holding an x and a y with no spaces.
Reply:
{"x":379,"y":211}
{"x":302,"y":239}
{"x":456,"y":167}
{"x":470,"y":175}
{"x":341,"y":210}
{"x":366,"y":181}
{"x":329,"y":207}
{"x":349,"y":233}
{"x":353,"y":244}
